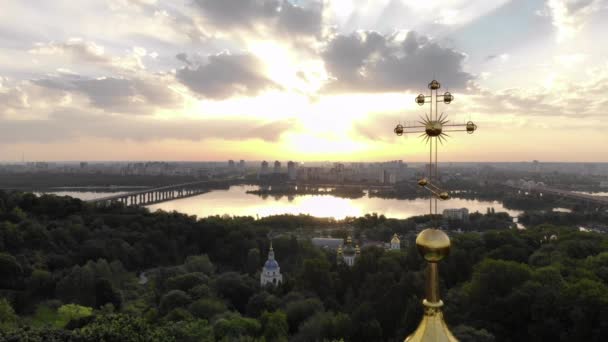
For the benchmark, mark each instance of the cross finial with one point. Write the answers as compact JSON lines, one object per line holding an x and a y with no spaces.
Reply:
{"x":432,"y":243}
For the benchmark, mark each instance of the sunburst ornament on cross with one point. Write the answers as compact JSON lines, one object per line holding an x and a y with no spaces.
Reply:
{"x":434,"y":128}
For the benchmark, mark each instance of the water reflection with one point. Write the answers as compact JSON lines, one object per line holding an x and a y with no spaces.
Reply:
{"x":83,"y":195}
{"x":600,"y":193}
{"x":236,"y":202}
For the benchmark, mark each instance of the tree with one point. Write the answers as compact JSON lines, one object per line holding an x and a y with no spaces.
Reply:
{"x":105,"y":293}
{"x":235,"y":326}
{"x":124,"y":328}
{"x":253,"y":261}
{"x":325,"y":326}
{"x":199,"y":263}
{"x":274,"y":326}
{"x":235,"y":288}
{"x":465,"y":333}
{"x":298,"y":311}
{"x":11,"y":272}
{"x":197,"y":330}
{"x":69,"y":312}
{"x":173,"y":299}
{"x":41,"y":284}
{"x":260,"y":302}
{"x":8,"y":318}
{"x":186,"y":281}
{"x":315,"y":276}
{"x":206,"y":308}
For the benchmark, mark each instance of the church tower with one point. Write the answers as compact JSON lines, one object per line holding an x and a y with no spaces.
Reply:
{"x":395,"y":243}
{"x":349,"y":253}
{"x":271,"y":273}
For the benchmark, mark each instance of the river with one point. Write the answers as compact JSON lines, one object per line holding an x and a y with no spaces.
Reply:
{"x":236,"y":202}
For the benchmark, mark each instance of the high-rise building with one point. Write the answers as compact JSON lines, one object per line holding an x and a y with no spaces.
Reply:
{"x":277,"y":166}
{"x":264,"y":168}
{"x":291,"y":171}
{"x":242,"y":164}
{"x":456,"y":214}
{"x":231,"y":164}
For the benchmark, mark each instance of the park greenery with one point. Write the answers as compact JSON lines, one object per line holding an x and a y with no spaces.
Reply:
{"x":71,"y":271}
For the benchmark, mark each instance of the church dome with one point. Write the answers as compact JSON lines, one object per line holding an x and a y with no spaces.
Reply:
{"x":271,"y":264}
{"x":395,"y":239}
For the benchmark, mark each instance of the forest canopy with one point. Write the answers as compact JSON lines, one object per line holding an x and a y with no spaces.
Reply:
{"x":75,"y":272}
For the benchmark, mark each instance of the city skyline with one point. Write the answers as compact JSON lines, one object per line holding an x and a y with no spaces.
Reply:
{"x":302,"y":80}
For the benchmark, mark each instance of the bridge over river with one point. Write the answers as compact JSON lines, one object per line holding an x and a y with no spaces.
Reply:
{"x":164,"y":193}
{"x":546,"y":190}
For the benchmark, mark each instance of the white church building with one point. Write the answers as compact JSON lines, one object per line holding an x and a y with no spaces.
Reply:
{"x":271,"y":273}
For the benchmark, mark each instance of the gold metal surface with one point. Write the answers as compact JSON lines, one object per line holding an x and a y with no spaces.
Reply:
{"x":434,"y":85}
{"x":433,"y":244}
{"x":399,"y":129}
{"x":420,"y":99}
{"x":432,"y":328}
{"x":433,"y":128}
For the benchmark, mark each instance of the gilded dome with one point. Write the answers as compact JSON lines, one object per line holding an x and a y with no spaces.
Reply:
{"x":395,"y":239}
{"x":433,"y":244}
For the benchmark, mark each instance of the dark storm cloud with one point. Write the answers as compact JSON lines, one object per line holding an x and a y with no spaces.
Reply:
{"x":72,"y":124}
{"x":225,"y":75}
{"x":283,"y":16}
{"x":116,"y":94}
{"x":371,"y":62}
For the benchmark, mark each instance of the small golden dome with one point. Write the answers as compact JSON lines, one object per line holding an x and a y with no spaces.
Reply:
{"x":444,"y":196}
{"x":471,"y":127}
{"x":395,"y":239}
{"x":423,"y":182}
{"x":420,"y":99}
{"x":399,"y":129}
{"x":447,"y":98}
{"x":433,"y":244}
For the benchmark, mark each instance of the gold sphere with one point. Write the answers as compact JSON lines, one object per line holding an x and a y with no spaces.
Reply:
{"x":433,"y":244}
{"x":444,"y":196}
{"x":420,"y":99}
{"x":399,"y":130}
{"x":447,"y":97}
{"x":423,"y":182}
{"x":471,"y":127}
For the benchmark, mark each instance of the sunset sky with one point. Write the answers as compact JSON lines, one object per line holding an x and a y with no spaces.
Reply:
{"x":302,"y":80}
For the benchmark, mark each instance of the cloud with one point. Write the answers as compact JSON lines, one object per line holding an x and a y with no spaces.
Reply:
{"x":225,"y":75}
{"x":76,"y":48}
{"x":83,"y":52}
{"x":112,"y":94}
{"x":278,"y":16}
{"x":569,"y":16}
{"x":70,"y":125}
{"x":371,"y":62}
{"x":502,"y":57}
